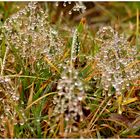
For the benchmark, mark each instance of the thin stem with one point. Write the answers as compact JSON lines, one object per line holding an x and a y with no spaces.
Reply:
{"x":34,"y":102}
{"x":137,"y":29}
{"x":72,"y":48}
{"x":4,"y":59}
{"x":23,"y":76}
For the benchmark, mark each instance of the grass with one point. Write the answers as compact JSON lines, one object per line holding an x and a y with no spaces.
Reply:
{"x":55,"y":79}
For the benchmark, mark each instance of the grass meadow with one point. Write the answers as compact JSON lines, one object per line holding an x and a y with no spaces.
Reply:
{"x":69,"y":70}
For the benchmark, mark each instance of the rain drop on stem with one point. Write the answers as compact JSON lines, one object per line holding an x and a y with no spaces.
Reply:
{"x":70,"y":12}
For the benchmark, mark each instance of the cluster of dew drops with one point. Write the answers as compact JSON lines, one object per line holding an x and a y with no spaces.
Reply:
{"x":78,"y":6}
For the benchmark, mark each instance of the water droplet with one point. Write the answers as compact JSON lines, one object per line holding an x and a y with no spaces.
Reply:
{"x":22,"y":102}
{"x":54,"y":32}
{"x":21,"y":123}
{"x":56,"y":4}
{"x":70,"y":70}
{"x":54,"y":102}
{"x":59,"y":87}
{"x":32,"y":130}
{"x":16,"y":98}
{"x":119,"y":111}
{"x":26,"y":119}
{"x":66,"y":118}
{"x":78,"y":9}
{"x":80,"y":98}
{"x":7,"y":109}
{"x":64,"y":4}
{"x":70,"y":12}
{"x":7,"y":79}
{"x":117,"y":89}
{"x":81,"y":88}
{"x":74,"y":9}
{"x":75,"y":128}
{"x":76,"y":84}
{"x":127,"y":84}
{"x":52,"y":131}
{"x":109,"y":94}
{"x":64,"y":77}
{"x":109,"y":79}
{"x":85,"y":8}
{"x":75,"y":103}
{"x":23,"y":114}
{"x":60,"y":93}
{"x":72,"y":87}
{"x":38,"y":120}
{"x":106,"y":86}
{"x":80,"y":113}
{"x":1,"y":116}
{"x":15,"y":123}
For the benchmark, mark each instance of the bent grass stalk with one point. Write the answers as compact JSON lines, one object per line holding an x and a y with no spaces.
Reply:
{"x":4,"y":60}
{"x":72,"y":48}
{"x":34,"y":102}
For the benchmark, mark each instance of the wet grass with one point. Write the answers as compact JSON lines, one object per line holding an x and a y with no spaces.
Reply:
{"x":33,"y":76}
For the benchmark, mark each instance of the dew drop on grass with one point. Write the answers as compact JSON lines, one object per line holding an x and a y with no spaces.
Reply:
{"x":81,"y":88}
{"x":32,"y":130}
{"x":1,"y":116}
{"x":59,"y":87}
{"x":55,"y":98}
{"x":109,"y":79}
{"x":22,"y":102}
{"x":80,"y":98}
{"x":26,"y":119}
{"x":70,"y":12}
{"x":75,"y":103}
{"x":74,"y":9}
{"x":76,"y":84}
{"x":127,"y":84}
{"x":7,"y":79}
{"x":57,"y":4}
{"x":64,"y":4}
{"x":22,"y":123}
{"x":109,"y":94}
{"x":15,"y":123}
{"x":71,"y":88}
{"x":79,"y":84}
{"x":7,"y":109}
{"x":17,"y":98}
{"x":52,"y":131}
{"x":80,"y":113}
{"x":75,"y":128}
{"x":54,"y":102}
{"x":60,"y":93}
{"x":64,"y":77}
{"x":66,"y":118}
{"x":38,"y":120}
{"x":84,"y":8}
{"x":12,"y":118}
{"x":70,"y":71}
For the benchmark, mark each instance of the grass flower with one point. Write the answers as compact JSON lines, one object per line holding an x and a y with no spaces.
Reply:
{"x":117,"y":61}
